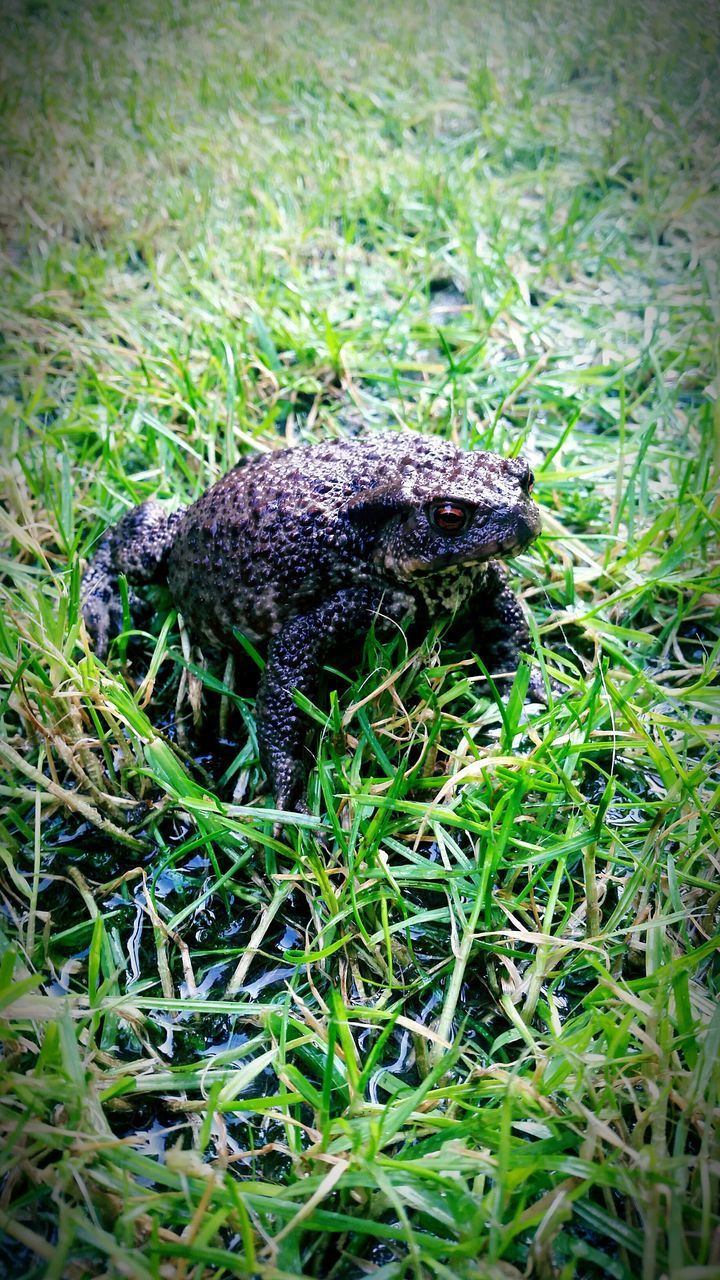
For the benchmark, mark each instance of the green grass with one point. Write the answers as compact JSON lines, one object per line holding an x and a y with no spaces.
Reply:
{"x":461,"y":1024}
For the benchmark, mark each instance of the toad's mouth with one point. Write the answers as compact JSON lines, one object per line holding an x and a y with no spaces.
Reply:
{"x":456,"y":561}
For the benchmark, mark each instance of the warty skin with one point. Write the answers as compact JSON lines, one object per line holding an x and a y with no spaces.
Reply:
{"x":306,"y":547}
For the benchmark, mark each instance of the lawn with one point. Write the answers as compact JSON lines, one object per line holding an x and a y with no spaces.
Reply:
{"x":460,"y":1023}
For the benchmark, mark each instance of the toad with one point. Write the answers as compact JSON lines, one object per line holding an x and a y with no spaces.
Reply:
{"x":306,"y":547}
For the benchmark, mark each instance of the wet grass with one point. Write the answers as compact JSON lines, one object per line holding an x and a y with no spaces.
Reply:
{"x":462,"y":1021}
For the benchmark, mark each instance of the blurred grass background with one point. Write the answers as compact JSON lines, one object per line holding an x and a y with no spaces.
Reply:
{"x":472,"y":1032}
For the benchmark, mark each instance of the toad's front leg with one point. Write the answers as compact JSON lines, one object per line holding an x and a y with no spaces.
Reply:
{"x":295,"y":657}
{"x":502,"y":631}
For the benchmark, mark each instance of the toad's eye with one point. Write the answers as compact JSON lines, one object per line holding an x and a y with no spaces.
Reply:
{"x":449,"y":517}
{"x":527,"y":479}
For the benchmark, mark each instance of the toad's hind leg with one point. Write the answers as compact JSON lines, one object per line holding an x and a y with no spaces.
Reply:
{"x":137,"y":546}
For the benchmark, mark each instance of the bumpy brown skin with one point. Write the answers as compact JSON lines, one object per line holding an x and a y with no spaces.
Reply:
{"x":306,"y":547}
